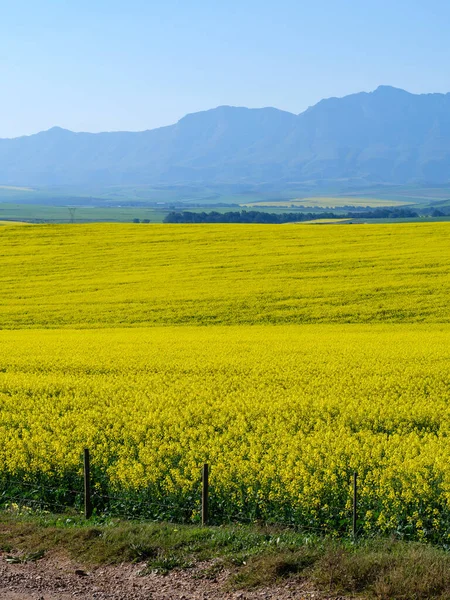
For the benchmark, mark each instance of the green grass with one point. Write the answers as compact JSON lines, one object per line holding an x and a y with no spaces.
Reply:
{"x":252,"y":556}
{"x":61,"y":214}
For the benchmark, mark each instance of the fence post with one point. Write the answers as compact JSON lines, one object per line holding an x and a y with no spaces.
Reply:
{"x":87,"y":485}
{"x":205,"y":493}
{"x":355,"y":504}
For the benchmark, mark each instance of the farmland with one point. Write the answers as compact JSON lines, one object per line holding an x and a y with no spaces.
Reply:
{"x":126,"y":275}
{"x":286,"y":357}
{"x":329,"y":202}
{"x":36,"y":213}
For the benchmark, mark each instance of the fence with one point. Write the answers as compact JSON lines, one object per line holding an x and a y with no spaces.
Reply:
{"x":86,"y":496}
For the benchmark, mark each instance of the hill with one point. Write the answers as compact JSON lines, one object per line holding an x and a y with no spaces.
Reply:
{"x":385,"y":136}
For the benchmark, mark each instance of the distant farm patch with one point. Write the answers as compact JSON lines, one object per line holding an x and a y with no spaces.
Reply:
{"x":328,"y":202}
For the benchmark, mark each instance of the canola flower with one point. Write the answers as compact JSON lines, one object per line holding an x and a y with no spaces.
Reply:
{"x":129,"y":275}
{"x":283,"y":414}
{"x":286,"y":357}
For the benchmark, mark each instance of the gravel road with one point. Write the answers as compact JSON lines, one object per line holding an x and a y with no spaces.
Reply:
{"x":55,"y":578}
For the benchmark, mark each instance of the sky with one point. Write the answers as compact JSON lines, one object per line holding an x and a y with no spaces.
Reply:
{"x":108,"y":65}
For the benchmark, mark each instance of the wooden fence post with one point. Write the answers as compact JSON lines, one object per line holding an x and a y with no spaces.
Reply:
{"x":205,"y":493}
{"x":87,"y":485}
{"x":355,"y":504}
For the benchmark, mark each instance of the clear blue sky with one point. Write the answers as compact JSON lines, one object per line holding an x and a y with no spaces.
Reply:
{"x":100,"y":65}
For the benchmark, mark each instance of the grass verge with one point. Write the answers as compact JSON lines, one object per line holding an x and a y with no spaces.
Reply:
{"x":253,"y":556}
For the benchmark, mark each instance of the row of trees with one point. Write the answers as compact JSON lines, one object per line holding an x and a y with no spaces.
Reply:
{"x":254,"y":216}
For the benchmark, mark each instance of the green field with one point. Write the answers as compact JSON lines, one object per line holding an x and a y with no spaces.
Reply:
{"x":128,"y":202}
{"x":99,"y":195}
{"x":61,"y":214}
{"x":35,"y":213}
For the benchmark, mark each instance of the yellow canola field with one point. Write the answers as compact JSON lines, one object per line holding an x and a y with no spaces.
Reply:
{"x":115,"y":275}
{"x":12,"y":223}
{"x":283,"y":414}
{"x":286,"y":357}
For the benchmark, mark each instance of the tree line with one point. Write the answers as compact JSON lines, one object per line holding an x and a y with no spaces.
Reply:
{"x":255,"y":216}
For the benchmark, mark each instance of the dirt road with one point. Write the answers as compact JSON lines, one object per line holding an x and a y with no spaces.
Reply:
{"x":55,"y":578}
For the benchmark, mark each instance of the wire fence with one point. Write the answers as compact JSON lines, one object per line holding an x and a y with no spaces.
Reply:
{"x":90,"y":494}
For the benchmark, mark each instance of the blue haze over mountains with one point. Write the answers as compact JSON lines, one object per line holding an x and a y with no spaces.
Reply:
{"x":385,"y":136}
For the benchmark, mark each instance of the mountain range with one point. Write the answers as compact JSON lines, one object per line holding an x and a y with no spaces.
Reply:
{"x":385,"y":136}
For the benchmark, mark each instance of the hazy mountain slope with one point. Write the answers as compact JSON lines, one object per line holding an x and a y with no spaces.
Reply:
{"x":388,"y":135}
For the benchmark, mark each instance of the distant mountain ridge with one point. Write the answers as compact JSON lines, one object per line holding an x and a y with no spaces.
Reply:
{"x":385,"y":136}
